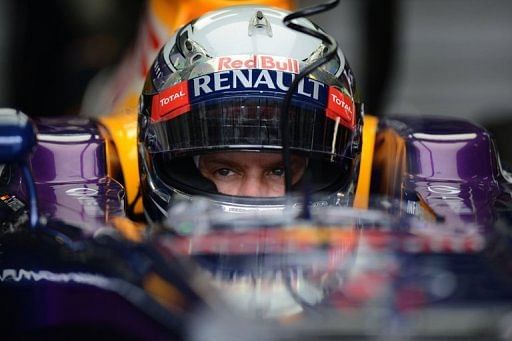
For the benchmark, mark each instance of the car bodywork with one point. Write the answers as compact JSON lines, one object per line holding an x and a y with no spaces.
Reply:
{"x":438,"y":242}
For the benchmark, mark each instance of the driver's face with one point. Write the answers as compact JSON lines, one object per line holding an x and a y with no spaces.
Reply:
{"x":249,"y":174}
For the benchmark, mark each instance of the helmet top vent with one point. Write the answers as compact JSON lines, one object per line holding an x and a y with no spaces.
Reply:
{"x":259,"y":23}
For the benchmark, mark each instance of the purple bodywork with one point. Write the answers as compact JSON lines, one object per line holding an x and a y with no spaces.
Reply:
{"x":450,"y":165}
{"x":70,"y":171}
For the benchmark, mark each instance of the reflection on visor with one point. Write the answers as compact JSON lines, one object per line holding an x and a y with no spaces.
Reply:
{"x":248,"y":123}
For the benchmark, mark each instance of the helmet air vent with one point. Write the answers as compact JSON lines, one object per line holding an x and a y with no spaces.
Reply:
{"x":259,"y":22}
{"x":194,"y":52}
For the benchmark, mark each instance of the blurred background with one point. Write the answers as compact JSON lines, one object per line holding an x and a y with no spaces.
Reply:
{"x":415,"y":57}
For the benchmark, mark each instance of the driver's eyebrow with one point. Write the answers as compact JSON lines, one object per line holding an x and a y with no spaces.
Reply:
{"x":215,"y":162}
{"x":226,"y":160}
{"x":218,"y":160}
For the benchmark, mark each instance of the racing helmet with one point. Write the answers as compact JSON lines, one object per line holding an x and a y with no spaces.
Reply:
{"x":219,"y":84}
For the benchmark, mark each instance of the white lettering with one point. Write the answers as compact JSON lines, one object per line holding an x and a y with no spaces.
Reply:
{"x":316,"y":87}
{"x":201,"y":83}
{"x":280,"y":81}
{"x":264,"y":78}
{"x":218,"y":80}
{"x":244,"y":79}
{"x":238,"y":75}
{"x":300,"y":89}
{"x":341,"y":103}
{"x":172,"y":97}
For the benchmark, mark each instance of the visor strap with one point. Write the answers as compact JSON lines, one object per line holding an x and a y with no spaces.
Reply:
{"x":333,"y":145}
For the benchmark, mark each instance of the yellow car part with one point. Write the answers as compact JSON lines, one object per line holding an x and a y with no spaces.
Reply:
{"x":362,"y":195}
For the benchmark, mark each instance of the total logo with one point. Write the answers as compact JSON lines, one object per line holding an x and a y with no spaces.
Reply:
{"x":173,"y":99}
{"x":340,"y":106}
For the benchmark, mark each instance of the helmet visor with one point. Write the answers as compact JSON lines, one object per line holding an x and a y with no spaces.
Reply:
{"x":236,"y":111}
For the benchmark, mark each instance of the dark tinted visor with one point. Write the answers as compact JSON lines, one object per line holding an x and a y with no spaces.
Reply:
{"x":248,"y":123}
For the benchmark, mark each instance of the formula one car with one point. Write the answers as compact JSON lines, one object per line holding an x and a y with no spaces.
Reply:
{"x":424,"y":251}
{"x":429,"y":258}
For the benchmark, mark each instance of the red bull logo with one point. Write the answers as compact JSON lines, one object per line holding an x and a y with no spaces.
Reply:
{"x":257,"y":62}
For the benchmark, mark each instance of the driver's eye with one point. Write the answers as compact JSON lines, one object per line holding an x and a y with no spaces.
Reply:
{"x":278,"y":171}
{"x":224,"y":171}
